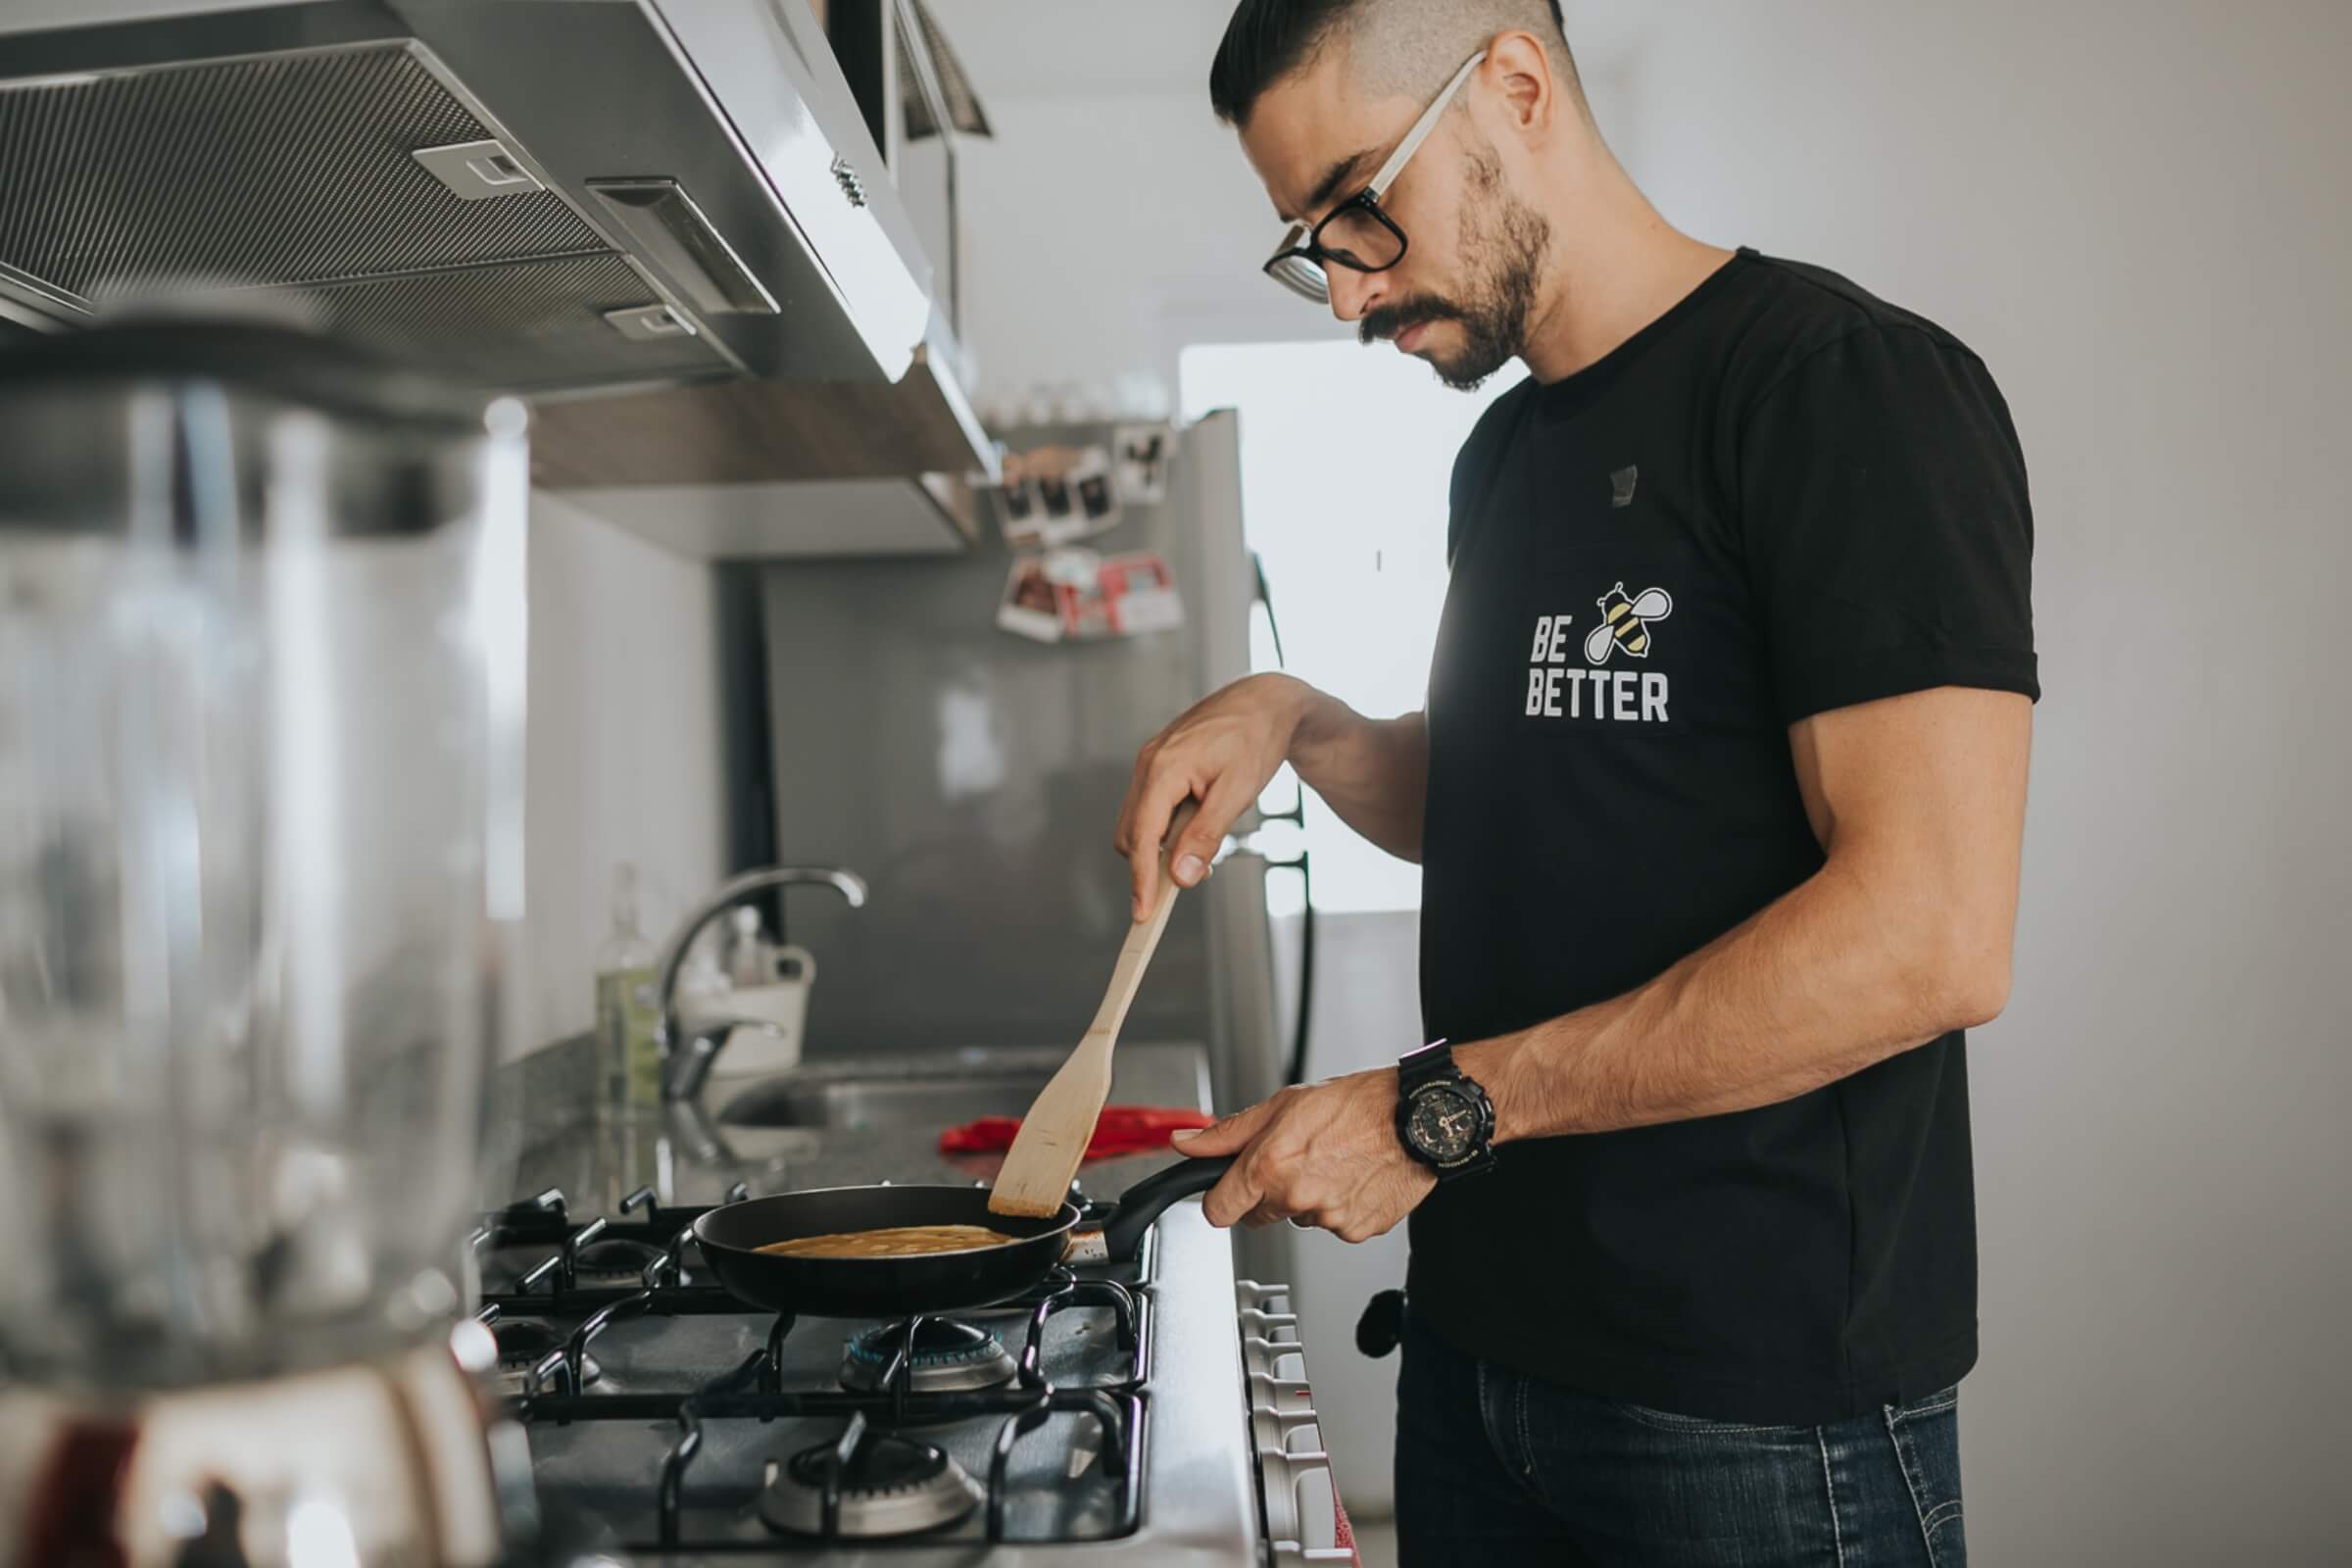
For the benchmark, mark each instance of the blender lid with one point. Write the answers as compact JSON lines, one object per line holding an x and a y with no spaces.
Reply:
{"x":283,"y":363}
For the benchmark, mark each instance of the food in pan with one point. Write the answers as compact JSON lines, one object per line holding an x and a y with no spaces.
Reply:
{"x":898,"y":1241}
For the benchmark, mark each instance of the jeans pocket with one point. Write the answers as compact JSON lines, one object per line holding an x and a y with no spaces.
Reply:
{"x":1930,"y":1406}
{"x":1926,"y":1434}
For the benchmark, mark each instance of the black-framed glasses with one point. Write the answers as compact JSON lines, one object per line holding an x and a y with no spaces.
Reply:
{"x":1356,"y":234}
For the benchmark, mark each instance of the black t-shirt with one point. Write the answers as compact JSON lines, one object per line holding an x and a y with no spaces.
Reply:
{"x":1781,"y":497}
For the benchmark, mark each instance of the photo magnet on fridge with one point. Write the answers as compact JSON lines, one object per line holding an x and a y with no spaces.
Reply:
{"x":1054,"y":500}
{"x":1031,"y":605}
{"x":1142,"y":451}
{"x":1054,"y":495}
{"x":1097,"y":500}
{"x":1139,"y":593}
{"x":1017,"y":515}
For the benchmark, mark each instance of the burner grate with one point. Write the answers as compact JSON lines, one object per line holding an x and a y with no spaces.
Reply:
{"x":558,"y":1388}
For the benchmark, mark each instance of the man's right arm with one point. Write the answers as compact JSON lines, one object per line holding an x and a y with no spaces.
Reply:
{"x":1223,"y":750}
{"x":1374,"y":773}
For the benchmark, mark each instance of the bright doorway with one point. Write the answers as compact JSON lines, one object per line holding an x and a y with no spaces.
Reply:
{"x":1346,"y":455}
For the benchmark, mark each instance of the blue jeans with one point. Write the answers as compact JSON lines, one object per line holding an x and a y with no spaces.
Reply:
{"x":1493,"y":1468}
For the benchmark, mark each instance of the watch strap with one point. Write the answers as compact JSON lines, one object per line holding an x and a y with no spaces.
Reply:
{"x":1425,"y":1064}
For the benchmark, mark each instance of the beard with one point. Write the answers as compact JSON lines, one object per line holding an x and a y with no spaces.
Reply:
{"x":1504,"y":243}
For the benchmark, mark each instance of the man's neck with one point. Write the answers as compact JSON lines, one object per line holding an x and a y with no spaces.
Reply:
{"x":1616,"y":266}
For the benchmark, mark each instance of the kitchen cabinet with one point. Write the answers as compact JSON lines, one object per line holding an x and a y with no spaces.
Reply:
{"x":754,"y":469}
{"x":919,"y":105}
{"x":934,"y":514}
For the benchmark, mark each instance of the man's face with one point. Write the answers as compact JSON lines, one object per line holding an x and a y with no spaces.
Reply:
{"x":1462,"y":296}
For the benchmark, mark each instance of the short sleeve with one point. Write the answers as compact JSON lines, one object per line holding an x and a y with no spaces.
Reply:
{"x":1884,"y":517}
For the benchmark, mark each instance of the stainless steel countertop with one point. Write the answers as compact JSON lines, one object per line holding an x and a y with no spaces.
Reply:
{"x":1201,"y":1492}
{"x":690,"y":1156}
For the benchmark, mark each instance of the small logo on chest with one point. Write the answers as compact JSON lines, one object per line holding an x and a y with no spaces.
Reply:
{"x":1557,"y":689}
{"x":1621,"y":484}
{"x":1625,"y":623}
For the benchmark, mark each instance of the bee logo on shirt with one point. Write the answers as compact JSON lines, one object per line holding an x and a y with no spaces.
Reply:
{"x":1625,"y":623}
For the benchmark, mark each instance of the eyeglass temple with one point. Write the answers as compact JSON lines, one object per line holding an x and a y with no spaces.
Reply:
{"x":1303,"y":277}
{"x":1428,"y":123}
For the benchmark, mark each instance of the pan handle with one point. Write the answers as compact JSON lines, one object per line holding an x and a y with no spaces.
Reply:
{"x":1151,"y":1197}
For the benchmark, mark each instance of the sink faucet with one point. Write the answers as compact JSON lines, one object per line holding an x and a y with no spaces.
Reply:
{"x":686,"y":1057}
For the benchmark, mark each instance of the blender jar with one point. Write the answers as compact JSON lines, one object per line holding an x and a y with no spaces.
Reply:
{"x":261,"y":664}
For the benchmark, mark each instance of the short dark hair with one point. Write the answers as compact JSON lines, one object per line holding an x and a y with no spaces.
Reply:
{"x":1269,"y":39}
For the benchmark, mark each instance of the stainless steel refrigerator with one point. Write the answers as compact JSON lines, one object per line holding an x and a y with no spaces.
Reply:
{"x":974,"y":778}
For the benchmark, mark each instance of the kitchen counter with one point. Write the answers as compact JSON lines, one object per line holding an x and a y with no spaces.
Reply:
{"x":688,"y":1153}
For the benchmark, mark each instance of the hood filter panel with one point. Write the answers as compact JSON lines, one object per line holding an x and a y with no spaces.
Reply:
{"x":523,"y":327}
{"x":292,"y":168}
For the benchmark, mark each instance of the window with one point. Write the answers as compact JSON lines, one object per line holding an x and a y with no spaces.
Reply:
{"x":1346,"y":453}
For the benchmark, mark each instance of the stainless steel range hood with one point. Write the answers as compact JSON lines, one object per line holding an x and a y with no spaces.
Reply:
{"x":545,"y":196}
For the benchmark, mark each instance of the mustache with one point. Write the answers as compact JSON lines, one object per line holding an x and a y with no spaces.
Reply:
{"x":1389,"y":320}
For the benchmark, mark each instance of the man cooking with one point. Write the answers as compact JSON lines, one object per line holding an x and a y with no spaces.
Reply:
{"x":1718,"y":795}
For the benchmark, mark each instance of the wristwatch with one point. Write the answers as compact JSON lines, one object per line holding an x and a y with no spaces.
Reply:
{"x":1444,"y":1120}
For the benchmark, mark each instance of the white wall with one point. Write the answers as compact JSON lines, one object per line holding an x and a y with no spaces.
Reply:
{"x":1113,"y":220}
{"x":1105,"y":234}
{"x":624,"y":751}
{"x":2135,"y":212}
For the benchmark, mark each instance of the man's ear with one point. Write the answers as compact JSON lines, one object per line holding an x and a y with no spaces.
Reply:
{"x":1525,"y":83}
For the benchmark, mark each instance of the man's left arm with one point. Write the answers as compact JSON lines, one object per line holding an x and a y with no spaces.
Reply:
{"x":1902,"y":936}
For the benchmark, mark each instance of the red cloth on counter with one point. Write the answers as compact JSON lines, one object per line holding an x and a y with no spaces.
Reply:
{"x":1121,"y":1130}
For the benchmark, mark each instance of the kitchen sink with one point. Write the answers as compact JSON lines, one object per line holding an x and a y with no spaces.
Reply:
{"x":880,"y":1101}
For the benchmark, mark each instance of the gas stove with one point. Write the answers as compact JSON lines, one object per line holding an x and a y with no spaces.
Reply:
{"x":1106,"y":1409}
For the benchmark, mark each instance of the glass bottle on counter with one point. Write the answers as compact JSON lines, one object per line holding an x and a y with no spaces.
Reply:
{"x":627,"y":1012}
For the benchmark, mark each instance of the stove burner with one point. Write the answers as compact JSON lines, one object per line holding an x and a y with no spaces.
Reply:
{"x":894,"y":1487}
{"x":950,"y":1357}
{"x":523,"y":1345}
{"x":612,"y":1260}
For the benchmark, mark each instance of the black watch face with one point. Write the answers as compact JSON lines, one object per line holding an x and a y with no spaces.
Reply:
{"x":1444,"y":1123}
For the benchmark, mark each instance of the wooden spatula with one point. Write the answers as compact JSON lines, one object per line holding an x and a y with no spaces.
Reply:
{"x":1052,"y":1140}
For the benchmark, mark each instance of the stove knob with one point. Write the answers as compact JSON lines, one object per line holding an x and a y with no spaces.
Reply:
{"x":1282,"y":1396}
{"x":1300,"y":1504}
{"x":1281,"y":1495}
{"x":1280,"y":1359}
{"x":1318,"y":1508}
{"x":1283,"y":1325}
{"x":1294,"y":1430}
{"x":1249,"y":1293}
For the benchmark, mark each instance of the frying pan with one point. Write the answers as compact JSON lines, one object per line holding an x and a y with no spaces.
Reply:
{"x":731,"y":1235}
